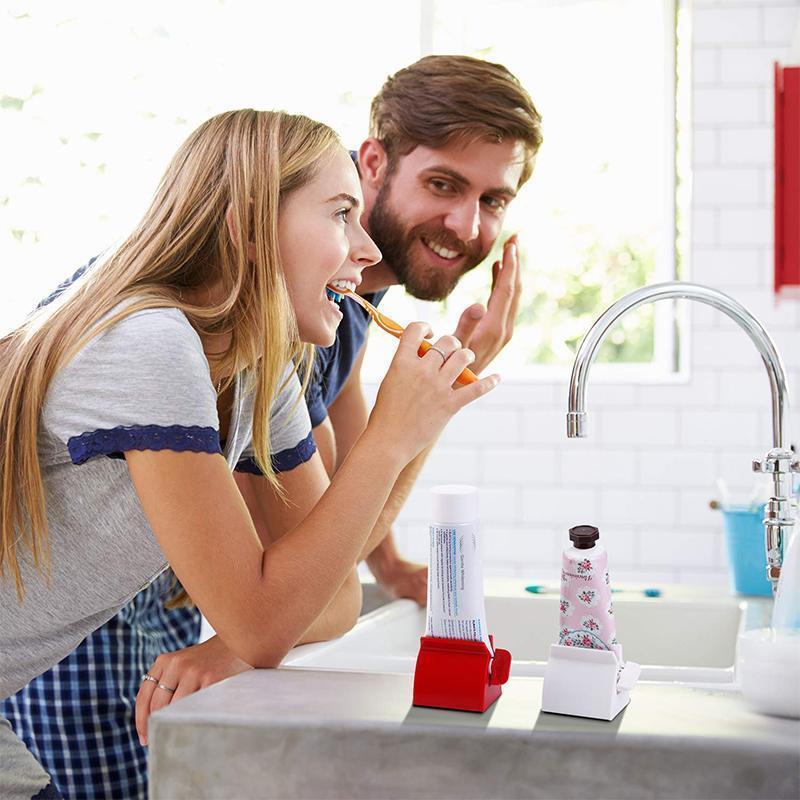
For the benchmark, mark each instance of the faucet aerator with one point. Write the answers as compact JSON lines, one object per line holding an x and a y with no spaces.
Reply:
{"x":576,"y":425}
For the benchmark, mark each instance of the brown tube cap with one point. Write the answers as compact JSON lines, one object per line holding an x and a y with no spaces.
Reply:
{"x":584,"y":536}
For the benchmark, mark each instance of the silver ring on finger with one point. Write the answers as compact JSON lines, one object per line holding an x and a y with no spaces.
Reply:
{"x":147,"y":677}
{"x":440,"y":352}
{"x":165,"y":688}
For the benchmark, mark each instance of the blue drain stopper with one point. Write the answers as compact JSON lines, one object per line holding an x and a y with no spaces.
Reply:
{"x":652,"y":592}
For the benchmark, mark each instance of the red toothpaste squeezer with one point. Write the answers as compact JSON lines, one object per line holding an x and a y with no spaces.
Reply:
{"x":459,"y":674}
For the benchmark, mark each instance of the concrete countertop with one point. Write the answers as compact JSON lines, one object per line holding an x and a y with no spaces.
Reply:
{"x":314,"y":734}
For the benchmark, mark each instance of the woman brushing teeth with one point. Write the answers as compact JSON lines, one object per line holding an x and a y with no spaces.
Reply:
{"x":175,"y":354}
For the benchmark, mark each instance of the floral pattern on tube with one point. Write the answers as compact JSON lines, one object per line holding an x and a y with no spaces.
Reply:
{"x":585,"y":585}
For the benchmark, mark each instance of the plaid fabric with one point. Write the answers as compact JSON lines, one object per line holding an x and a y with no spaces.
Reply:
{"x":78,"y":718}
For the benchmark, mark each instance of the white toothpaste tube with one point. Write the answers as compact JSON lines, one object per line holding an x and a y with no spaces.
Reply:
{"x":456,"y":608}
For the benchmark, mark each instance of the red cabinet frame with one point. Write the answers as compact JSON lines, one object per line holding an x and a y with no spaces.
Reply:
{"x":787,"y":181}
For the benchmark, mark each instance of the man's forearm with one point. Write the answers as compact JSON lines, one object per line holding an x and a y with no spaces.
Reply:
{"x":348,"y":415}
{"x":385,"y":555}
{"x":397,"y":498}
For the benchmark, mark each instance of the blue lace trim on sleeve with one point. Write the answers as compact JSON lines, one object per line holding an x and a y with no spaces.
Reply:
{"x":285,"y":460}
{"x":110,"y":442}
{"x":248,"y":465}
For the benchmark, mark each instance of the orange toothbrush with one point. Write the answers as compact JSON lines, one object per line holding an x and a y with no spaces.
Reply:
{"x":390,"y":326}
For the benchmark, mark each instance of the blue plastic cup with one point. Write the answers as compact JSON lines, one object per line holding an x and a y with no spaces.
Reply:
{"x":744,"y":541}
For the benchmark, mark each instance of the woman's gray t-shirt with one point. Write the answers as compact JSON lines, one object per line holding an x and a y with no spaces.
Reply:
{"x":142,"y":384}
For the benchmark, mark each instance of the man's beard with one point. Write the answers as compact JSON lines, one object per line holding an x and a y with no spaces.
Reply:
{"x":420,"y":279}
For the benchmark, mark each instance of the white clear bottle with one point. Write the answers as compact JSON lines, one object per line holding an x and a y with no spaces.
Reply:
{"x":456,"y":607}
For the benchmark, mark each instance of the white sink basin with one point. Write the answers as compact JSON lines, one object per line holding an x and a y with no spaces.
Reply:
{"x":686,"y":635}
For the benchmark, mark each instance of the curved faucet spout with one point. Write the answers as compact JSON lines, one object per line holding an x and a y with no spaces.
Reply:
{"x":576,"y":416}
{"x":779,"y":461}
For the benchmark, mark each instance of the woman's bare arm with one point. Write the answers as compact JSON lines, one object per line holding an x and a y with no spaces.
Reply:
{"x":261,"y":601}
{"x":274,"y":515}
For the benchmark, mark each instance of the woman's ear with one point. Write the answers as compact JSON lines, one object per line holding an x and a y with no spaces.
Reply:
{"x":372,"y":163}
{"x":232,"y":232}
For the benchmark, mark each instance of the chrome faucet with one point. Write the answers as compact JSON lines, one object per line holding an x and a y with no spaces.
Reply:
{"x":780,"y":461}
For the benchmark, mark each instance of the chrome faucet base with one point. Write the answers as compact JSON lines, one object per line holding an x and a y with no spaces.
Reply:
{"x":780,"y":512}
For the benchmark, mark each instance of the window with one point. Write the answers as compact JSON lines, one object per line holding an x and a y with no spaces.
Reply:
{"x":88,"y":130}
{"x":94,"y":102}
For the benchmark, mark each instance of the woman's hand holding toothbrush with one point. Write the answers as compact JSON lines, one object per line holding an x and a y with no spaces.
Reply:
{"x":417,"y":398}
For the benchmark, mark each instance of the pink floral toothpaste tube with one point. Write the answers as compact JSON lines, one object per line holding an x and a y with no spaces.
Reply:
{"x":586,"y":611}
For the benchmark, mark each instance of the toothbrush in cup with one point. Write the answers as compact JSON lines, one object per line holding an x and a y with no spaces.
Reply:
{"x":336,"y":293}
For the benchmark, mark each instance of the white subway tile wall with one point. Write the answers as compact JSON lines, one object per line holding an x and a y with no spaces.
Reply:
{"x":647,"y":471}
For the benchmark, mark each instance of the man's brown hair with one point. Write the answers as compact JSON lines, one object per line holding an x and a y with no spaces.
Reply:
{"x":444,"y":99}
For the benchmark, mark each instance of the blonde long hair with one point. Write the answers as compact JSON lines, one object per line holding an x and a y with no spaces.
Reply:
{"x":240,"y":163}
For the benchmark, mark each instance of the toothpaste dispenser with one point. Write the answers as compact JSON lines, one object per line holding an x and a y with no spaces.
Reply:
{"x":582,"y":682}
{"x":459,"y":674}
